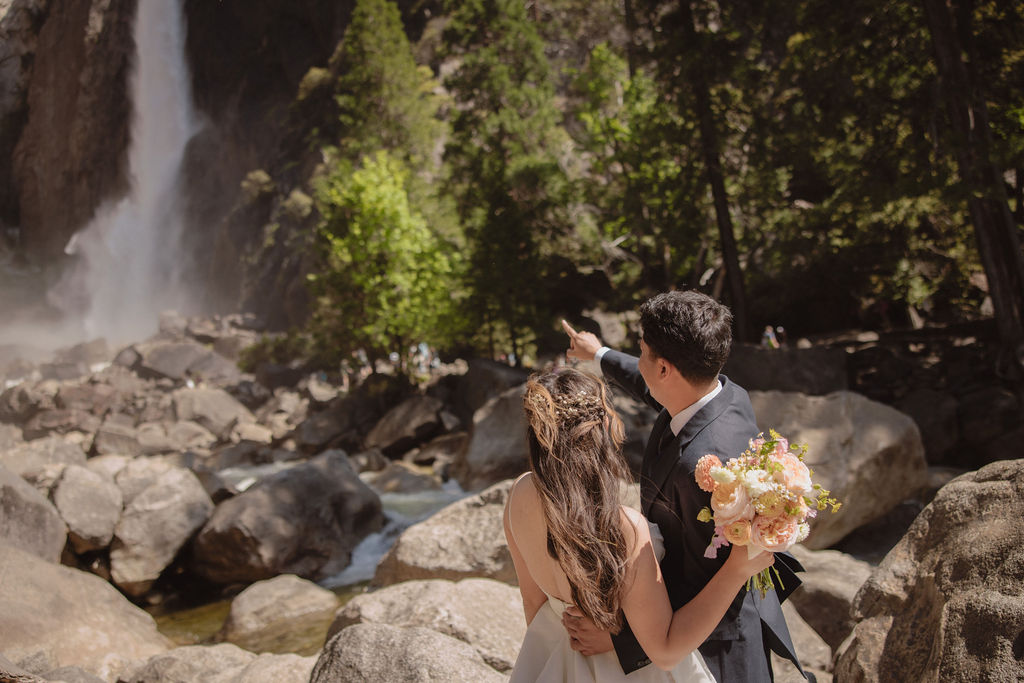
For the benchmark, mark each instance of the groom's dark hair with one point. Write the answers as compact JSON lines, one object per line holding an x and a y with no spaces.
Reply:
{"x":690,"y":330}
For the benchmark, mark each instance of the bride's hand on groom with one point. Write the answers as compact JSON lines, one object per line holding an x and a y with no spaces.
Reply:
{"x":582,"y":345}
{"x":584,"y":636}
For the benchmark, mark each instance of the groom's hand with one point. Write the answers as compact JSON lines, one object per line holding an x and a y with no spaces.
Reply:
{"x":584,"y":636}
{"x":582,"y":345}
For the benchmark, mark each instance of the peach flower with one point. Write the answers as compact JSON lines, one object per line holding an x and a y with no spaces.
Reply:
{"x":737,"y":533}
{"x":703,"y":472}
{"x":774,"y":533}
{"x":794,"y":474}
{"x":770,"y":504}
{"x":730,"y":503}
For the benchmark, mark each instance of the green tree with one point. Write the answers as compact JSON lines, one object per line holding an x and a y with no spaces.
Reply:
{"x":997,"y":234}
{"x":640,"y":181}
{"x":386,"y":281}
{"x":504,"y":170}
{"x":385,"y":99}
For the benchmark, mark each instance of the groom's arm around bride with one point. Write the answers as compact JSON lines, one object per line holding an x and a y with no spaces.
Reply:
{"x":685,"y":341}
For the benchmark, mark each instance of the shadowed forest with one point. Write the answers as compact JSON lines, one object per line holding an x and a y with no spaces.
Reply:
{"x":816,"y":166}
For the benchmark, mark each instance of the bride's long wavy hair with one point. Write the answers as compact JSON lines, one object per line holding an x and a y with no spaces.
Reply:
{"x":575,"y":439}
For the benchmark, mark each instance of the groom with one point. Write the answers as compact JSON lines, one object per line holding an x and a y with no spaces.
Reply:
{"x":685,"y":341}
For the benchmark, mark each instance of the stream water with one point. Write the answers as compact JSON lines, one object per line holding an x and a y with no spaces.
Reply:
{"x":401,"y":510}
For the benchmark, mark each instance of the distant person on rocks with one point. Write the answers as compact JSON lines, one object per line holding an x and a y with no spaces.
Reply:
{"x":685,"y":340}
{"x":573,"y":543}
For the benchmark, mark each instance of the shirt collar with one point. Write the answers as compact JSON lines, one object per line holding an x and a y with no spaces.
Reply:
{"x":680,"y":419}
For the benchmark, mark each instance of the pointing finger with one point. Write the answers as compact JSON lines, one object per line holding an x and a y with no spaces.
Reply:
{"x":568,"y":329}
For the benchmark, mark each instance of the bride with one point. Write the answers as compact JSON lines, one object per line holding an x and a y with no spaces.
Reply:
{"x":573,"y":543}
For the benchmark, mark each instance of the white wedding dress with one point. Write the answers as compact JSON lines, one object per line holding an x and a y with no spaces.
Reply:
{"x":546,"y":656}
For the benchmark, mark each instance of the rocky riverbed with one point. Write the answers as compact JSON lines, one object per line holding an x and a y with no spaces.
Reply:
{"x":159,"y":476}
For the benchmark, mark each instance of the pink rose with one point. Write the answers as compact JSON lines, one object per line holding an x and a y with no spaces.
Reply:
{"x":774,"y":534}
{"x":730,"y":503}
{"x":703,"y":472}
{"x":794,"y":474}
{"x":737,"y":533}
{"x":781,"y":446}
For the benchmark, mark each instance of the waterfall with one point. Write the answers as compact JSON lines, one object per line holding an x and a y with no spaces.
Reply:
{"x":129,"y":259}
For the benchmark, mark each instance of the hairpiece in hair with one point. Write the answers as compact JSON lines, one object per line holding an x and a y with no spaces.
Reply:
{"x":570,"y":407}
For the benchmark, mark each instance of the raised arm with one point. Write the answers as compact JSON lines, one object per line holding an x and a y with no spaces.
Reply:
{"x":666,"y":636}
{"x":619,"y":367}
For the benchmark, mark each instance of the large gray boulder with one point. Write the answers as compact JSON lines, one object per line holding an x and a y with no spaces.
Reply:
{"x":28,"y":521}
{"x":69,"y":617}
{"x":401,"y":477}
{"x":180,"y":361}
{"x":465,"y":539}
{"x":305,"y":520}
{"x":947,"y":603}
{"x":90,"y":504}
{"x":56,"y":421}
{"x":10,"y":436}
{"x":136,"y":475}
{"x":154,"y":526}
{"x":117,"y":435}
{"x":95,"y":397}
{"x":215,"y":409}
{"x":34,"y":455}
{"x":454,"y":609}
{"x":223,"y":663}
{"x":270,"y":612}
{"x":19,"y":403}
{"x":484,"y":379}
{"x":497,"y":447}
{"x":817,"y":370}
{"x":379,"y":652}
{"x":825,"y":596}
{"x":868,"y":454}
{"x":408,"y":424}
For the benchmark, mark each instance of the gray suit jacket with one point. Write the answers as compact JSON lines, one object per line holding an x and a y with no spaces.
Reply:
{"x":739,"y":647}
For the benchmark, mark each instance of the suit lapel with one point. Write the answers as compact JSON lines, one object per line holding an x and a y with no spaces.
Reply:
{"x":660,"y":461}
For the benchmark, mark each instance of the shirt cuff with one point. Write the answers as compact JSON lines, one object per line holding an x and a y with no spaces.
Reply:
{"x":599,"y":354}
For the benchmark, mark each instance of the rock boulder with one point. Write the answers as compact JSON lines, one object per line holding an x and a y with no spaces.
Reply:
{"x":408,"y":424}
{"x":268,"y":612}
{"x":223,"y":663}
{"x":868,"y":454}
{"x":497,"y":447}
{"x":453,"y":609}
{"x":70,"y":617}
{"x":28,"y":521}
{"x":465,"y":539}
{"x":379,"y":652}
{"x":154,"y":526}
{"x":90,"y":504}
{"x":305,"y":520}
{"x":947,"y":603}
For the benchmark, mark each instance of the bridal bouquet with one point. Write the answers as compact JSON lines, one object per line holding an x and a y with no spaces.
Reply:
{"x":761,"y":499}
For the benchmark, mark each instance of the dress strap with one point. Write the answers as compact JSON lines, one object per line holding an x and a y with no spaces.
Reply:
{"x":511,"y":489}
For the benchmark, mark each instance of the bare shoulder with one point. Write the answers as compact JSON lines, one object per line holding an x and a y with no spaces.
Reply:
{"x":523,"y":497}
{"x":636,"y":529}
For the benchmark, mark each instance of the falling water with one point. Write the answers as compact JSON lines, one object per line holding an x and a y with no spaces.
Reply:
{"x":129,"y":261}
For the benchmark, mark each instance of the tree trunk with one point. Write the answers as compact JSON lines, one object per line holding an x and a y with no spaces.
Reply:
{"x":713,"y":167}
{"x":629,"y":11}
{"x":987,"y":202}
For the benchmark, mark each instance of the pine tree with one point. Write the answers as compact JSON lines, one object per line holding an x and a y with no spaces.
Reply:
{"x":504,"y":169}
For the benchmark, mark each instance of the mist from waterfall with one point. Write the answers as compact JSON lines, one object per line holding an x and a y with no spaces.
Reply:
{"x":129,"y":259}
